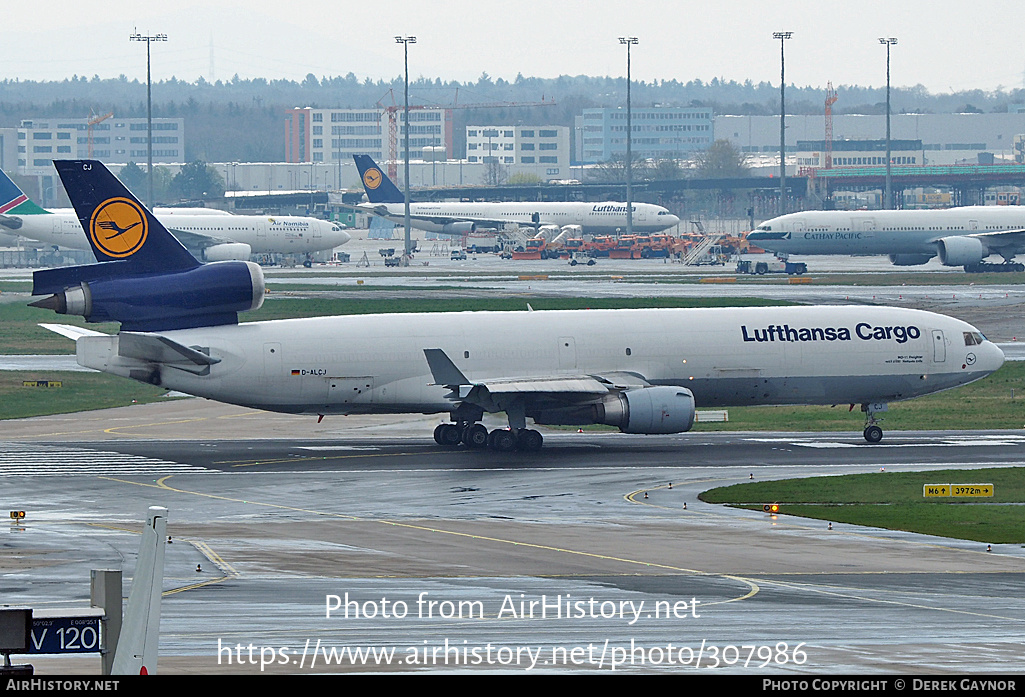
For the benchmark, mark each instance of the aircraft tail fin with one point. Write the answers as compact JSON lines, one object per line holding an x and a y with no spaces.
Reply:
{"x":379,"y":188}
{"x":136,"y":652}
{"x":118,"y":226}
{"x":14,"y":201}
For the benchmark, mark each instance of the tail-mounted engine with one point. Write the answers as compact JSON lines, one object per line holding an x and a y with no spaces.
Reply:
{"x":206,"y":295}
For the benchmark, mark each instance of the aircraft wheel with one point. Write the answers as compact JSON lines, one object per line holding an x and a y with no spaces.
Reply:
{"x":449,"y":435}
{"x":437,"y":433}
{"x":503,"y":440}
{"x":475,"y":436}
{"x":530,"y":440}
{"x":873,"y":434}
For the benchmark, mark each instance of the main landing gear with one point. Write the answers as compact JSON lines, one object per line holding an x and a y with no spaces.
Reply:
{"x":477,"y":437}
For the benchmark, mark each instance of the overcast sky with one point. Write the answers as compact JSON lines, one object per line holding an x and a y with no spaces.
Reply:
{"x":943,"y":44}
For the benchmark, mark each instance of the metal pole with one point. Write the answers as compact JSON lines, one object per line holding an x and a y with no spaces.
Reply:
{"x":149,"y":109}
{"x":405,"y":41}
{"x":888,"y":193}
{"x":629,"y":41}
{"x":782,"y":36}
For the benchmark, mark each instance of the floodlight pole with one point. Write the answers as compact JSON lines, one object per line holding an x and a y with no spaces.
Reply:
{"x":149,"y":110}
{"x":629,"y":41}
{"x":782,"y":36}
{"x":888,"y":192}
{"x":406,"y":41}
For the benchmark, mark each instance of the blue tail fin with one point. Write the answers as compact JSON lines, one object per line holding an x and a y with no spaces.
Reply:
{"x":118,"y":226}
{"x":376,"y":183}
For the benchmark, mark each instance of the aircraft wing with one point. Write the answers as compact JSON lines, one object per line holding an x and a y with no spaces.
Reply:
{"x":1003,"y":239}
{"x":194,"y":240}
{"x":564,"y":389}
{"x":382,"y":210}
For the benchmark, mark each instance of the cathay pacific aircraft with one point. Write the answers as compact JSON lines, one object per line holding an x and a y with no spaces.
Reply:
{"x":209,"y":234}
{"x":460,"y":218}
{"x":960,"y":236}
{"x":643,"y":371}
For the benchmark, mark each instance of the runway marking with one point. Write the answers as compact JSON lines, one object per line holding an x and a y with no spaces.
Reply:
{"x":31,"y":459}
{"x":752,"y":586}
{"x":870,"y":599}
{"x":943,"y":442}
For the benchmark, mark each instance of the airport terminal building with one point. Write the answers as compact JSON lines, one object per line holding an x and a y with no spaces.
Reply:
{"x":947,"y":139}
{"x":659,"y":133}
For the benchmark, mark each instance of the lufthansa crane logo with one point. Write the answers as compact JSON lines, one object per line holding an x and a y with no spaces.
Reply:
{"x":372,"y":178}
{"x":118,"y":227}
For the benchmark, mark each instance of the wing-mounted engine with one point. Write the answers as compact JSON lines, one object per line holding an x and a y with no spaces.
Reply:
{"x":647,"y":410}
{"x":962,"y":251}
{"x":203,"y":296}
{"x":460,"y":228}
{"x":910,"y":259}
{"x":228,"y":251}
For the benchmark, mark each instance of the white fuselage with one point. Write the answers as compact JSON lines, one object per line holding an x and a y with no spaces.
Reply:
{"x":880,"y":232}
{"x":264,"y":234}
{"x":595,"y":218}
{"x":725,"y":356}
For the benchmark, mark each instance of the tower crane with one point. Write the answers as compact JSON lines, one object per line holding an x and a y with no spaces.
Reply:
{"x":830,"y":101}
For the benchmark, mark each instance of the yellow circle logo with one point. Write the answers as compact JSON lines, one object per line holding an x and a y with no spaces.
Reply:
{"x":118,"y":227}
{"x":372,"y":178}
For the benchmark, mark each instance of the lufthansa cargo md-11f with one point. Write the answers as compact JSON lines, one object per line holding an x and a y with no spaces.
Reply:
{"x":960,"y":236}
{"x":461,"y":218}
{"x":643,"y":371}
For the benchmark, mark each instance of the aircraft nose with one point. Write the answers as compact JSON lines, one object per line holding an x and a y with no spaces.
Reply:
{"x":994,"y":356}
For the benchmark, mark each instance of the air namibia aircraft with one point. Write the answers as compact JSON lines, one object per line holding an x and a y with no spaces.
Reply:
{"x":643,"y":371}
{"x":209,"y":234}
{"x":461,"y":218}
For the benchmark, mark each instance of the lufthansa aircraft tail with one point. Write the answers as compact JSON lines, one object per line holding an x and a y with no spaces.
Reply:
{"x":145,"y":279}
{"x":376,"y":183}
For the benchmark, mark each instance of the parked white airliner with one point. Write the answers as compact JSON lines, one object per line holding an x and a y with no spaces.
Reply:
{"x":643,"y":371}
{"x":960,"y":236}
{"x":209,"y":235}
{"x":460,"y":218}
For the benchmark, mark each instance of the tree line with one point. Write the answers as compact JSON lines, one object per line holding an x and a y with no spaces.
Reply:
{"x":243,"y":119}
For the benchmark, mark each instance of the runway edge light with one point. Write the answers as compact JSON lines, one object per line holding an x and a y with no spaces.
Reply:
{"x":771,"y":507}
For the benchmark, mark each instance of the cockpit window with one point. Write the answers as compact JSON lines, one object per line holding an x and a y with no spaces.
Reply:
{"x":973,"y":338}
{"x":764,"y":228}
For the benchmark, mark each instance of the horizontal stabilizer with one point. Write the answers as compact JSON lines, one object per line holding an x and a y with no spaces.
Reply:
{"x":154,"y":348}
{"x":71,"y":332}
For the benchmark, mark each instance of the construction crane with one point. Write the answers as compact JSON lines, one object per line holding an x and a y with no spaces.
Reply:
{"x":392,"y":111}
{"x":93,"y":120}
{"x":830,"y":101}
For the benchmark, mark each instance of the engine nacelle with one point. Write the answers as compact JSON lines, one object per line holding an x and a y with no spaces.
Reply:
{"x":962,"y":251}
{"x":229,"y":251}
{"x":202,"y":296}
{"x":460,"y":228}
{"x":910,"y":259}
{"x":647,"y":410}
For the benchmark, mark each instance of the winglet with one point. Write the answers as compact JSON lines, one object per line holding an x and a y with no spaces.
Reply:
{"x":136,"y":652}
{"x":444,"y":370}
